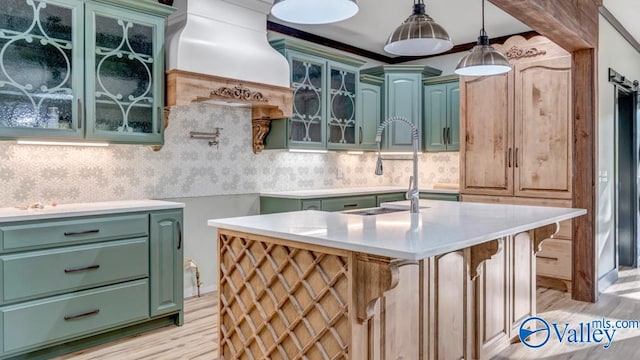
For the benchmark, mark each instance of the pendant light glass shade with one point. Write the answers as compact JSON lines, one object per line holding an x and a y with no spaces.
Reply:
{"x":483,"y":59}
{"x":418,"y":35}
{"x":314,"y":11}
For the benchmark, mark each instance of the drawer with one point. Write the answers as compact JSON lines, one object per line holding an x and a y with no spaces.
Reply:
{"x":348,"y":203}
{"x":29,"y":235}
{"x":389,"y":198}
{"x":436,"y":196}
{"x":554,"y":260}
{"x":58,"y":318}
{"x":54,"y":271}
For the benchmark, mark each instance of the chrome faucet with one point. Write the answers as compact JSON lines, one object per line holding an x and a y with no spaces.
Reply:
{"x":413,"y":194}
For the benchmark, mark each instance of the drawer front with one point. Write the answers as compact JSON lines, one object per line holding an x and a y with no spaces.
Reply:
{"x":554,"y":260}
{"x":58,"y":318}
{"x":435,"y":196}
{"x":348,"y":203}
{"x":48,"y":272}
{"x":389,"y":198}
{"x":30,"y":235}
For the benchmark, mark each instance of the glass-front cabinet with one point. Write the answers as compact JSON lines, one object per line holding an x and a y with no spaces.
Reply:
{"x":324,"y":100}
{"x":72,"y":69}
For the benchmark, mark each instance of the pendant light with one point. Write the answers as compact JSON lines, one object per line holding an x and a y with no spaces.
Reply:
{"x":418,"y":35}
{"x":314,"y":11}
{"x":483,"y":59}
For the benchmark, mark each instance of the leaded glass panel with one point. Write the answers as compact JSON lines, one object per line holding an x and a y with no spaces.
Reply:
{"x":124,"y":65}
{"x":342,"y":114}
{"x":36,"y":61}
{"x":306,"y":122}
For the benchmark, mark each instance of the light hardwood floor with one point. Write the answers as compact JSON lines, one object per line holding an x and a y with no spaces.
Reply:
{"x":197,"y":339}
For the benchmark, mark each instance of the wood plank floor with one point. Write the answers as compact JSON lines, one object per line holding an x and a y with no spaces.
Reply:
{"x":197,"y":339}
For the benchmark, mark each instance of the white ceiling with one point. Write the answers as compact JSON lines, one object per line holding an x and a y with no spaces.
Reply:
{"x":370,"y":28}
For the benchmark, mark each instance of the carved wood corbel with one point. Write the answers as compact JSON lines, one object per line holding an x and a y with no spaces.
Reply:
{"x":481,"y":253}
{"x":543,"y":233}
{"x":372,"y":276}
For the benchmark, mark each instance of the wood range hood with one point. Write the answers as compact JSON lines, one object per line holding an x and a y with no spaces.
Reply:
{"x":267,"y":102}
{"x":214,"y":60}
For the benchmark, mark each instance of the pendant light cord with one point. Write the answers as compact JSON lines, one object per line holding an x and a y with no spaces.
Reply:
{"x":483,"y":39}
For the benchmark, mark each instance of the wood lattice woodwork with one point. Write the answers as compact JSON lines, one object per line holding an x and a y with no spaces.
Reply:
{"x":281,"y":302}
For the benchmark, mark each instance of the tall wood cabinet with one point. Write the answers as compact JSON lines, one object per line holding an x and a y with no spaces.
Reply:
{"x":515,"y":134}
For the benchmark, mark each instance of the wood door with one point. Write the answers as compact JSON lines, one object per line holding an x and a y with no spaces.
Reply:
{"x":486,"y":125}
{"x":543,"y":128}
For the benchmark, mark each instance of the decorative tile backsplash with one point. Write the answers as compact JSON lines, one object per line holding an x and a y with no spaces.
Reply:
{"x":190,"y":168}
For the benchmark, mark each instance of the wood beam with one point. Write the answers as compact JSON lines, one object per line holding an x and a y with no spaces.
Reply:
{"x":572,"y":24}
{"x":585,"y":100}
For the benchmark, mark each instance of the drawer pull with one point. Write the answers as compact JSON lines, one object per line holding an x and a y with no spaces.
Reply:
{"x":78,"y":316}
{"x":84,"y":268}
{"x":94,"y":231}
{"x":347,"y":206}
{"x":179,"y":235}
{"x":547,"y":257}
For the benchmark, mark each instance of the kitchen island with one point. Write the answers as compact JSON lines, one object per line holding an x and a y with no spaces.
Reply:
{"x":453,"y":281}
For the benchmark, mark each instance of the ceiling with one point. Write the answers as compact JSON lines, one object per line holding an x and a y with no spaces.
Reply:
{"x":376,"y":19}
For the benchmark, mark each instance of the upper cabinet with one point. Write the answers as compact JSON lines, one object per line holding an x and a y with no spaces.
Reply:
{"x":325,"y":88}
{"x":82,"y":70}
{"x":370,"y":109}
{"x":441,"y":110}
{"x":402,"y":97}
{"x":516,"y":128}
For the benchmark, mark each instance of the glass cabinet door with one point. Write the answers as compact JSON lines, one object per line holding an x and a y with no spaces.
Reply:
{"x":41,"y":80}
{"x":341,"y":122}
{"x":123,"y":59}
{"x":306,"y":127}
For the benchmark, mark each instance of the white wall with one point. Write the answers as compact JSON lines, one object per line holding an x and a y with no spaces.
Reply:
{"x":616,"y":53}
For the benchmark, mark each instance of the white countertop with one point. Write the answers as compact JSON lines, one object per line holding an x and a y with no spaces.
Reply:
{"x":317,"y":193}
{"x":440,"y":227}
{"x":85,"y":209}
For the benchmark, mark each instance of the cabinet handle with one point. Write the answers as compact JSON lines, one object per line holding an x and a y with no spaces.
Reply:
{"x":360,"y":142}
{"x":160,"y":119}
{"x":79,"y":113}
{"x":516,"y":157}
{"x":444,"y":136}
{"x":509,"y":158}
{"x":547,"y":257}
{"x":347,"y":206}
{"x":84,"y":268}
{"x":179,"y":235}
{"x":78,"y":316}
{"x":448,"y":136}
{"x":94,"y":231}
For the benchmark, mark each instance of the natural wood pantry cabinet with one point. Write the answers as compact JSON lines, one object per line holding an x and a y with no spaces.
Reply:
{"x":516,"y":139}
{"x":83,"y":69}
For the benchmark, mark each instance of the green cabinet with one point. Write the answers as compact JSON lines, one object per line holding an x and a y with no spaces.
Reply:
{"x":77,"y":70}
{"x":370,"y":110}
{"x":166,"y":256}
{"x":441,"y":114}
{"x":439,"y":196}
{"x":402,"y":97}
{"x":72,"y":282}
{"x":274,"y":204}
{"x":324,"y":100}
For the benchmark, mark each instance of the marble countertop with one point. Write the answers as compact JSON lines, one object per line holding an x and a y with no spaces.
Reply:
{"x":439,"y":228}
{"x":317,"y":193}
{"x":85,"y":209}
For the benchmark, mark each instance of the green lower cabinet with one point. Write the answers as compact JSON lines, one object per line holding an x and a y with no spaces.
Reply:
{"x":270,"y":204}
{"x":166,"y":250}
{"x":348,"y":203}
{"x":439,"y":196}
{"x":93,"y":279}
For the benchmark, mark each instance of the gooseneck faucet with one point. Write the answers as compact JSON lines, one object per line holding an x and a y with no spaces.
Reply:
{"x":413,"y":194}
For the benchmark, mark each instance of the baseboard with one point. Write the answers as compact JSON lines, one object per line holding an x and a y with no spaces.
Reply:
{"x":607,"y":279}
{"x":191,"y":292}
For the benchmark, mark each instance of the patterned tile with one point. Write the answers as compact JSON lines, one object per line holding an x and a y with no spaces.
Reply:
{"x":191,"y":168}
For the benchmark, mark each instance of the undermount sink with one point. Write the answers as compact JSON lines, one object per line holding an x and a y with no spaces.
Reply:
{"x":375,"y":211}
